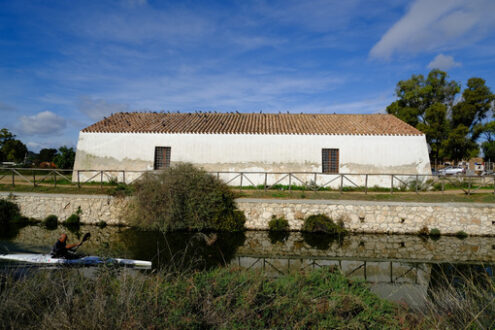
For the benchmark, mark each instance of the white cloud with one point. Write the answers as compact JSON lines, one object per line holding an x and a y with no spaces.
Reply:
{"x":440,"y":24}
{"x":43,"y":123}
{"x":96,"y":109}
{"x":443,"y":62}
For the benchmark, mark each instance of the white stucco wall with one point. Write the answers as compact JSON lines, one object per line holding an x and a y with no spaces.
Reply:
{"x":248,"y":152}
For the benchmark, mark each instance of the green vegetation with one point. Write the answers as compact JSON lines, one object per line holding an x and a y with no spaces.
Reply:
{"x":452,"y":130}
{"x":9,"y":212}
{"x":424,"y":231}
{"x":122,"y":190}
{"x":221,"y":298}
{"x":461,"y":234}
{"x":278,"y":224}
{"x":435,"y":232}
{"x":51,"y":221}
{"x":101,"y":224}
{"x":321,"y":223}
{"x":183,"y":197}
{"x":74,"y":220}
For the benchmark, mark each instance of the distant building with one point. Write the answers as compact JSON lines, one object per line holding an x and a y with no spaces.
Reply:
{"x":252,"y":142}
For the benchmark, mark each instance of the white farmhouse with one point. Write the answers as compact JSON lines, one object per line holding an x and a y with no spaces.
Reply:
{"x":324,"y":144}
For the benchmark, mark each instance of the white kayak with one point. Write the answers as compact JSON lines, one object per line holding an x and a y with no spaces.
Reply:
{"x":46,"y":259}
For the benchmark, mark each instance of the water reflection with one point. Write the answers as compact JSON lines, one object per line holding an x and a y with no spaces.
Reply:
{"x":398,"y":267}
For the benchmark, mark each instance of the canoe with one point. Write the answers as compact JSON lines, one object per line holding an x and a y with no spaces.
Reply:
{"x":46,"y":259}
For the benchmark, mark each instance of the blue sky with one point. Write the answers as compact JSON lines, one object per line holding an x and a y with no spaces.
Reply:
{"x":66,"y":64}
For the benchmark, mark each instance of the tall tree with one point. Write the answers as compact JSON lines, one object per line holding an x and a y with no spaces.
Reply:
{"x":65,"y":158}
{"x":424,"y":104}
{"x":47,"y":155}
{"x":14,"y":151}
{"x":5,"y":135}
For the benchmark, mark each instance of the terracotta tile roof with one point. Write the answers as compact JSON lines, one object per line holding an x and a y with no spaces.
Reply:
{"x":253,"y":123}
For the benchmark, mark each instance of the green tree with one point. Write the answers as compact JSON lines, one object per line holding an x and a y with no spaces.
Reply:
{"x":14,"y":151}
{"x":65,"y":158}
{"x":458,"y":145}
{"x":5,"y":135}
{"x":47,"y":155}
{"x":424,"y":104}
{"x":488,"y":146}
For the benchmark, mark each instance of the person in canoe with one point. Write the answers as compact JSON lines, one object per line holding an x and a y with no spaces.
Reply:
{"x":63,"y":250}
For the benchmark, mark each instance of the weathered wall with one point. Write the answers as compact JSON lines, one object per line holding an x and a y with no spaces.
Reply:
{"x":377,"y":217}
{"x":251,"y":152}
{"x":358,"y":216}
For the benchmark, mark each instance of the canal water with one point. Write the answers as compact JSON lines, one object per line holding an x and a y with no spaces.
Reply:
{"x":401,"y":268}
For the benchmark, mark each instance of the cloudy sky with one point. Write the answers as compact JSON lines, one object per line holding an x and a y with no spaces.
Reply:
{"x":66,"y":64}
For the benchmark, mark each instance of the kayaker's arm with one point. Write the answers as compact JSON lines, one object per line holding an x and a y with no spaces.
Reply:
{"x":70,"y":246}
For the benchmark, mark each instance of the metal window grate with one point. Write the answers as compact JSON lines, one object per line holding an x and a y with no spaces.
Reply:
{"x":330,"y":160}
{"x":162,"y":157}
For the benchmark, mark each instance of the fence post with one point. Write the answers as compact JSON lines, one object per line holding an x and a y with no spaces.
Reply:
{"x":469,"y":186}
{"x":78,"y":180}
{"x":341,"y":183}
{"x":34,"y":178}
{"x":241,"y":180}
{"x":443,"y":186}
{"x":290,"y":182}
{"x":13,"y":179}
{"x":417,"y":183}
{"x":366,"y":184}
{"x":218,"y":175}
{"x":266,"y":174}
{"x":101,"y":179}
{"x":391,"y":183}
{"x":54,"y":179}
{"x":123,"y":177}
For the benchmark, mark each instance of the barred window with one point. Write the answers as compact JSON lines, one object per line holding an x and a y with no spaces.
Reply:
{"x":162,"y":157}
{"x":330,"y":160}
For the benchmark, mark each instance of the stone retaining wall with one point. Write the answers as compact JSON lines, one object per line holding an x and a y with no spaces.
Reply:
{"x":358,"y":216}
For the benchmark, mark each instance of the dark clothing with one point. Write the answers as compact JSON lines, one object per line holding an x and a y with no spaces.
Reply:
{"x":59,"y":250}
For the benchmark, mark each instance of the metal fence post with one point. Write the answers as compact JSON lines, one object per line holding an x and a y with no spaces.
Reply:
{"x":266,"y":175}
{"x":341,"y":183}
{"x":241,"y":180}
{"x":391,"y":183}
{"x":78,"y":180}
{"x":366,"y":184}
{"x":101,"y":179}
{"x":290,"y":182}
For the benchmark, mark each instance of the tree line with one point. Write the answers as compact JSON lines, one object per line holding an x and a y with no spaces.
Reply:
{"x":13,"y":150}
{"x":456,"y":125}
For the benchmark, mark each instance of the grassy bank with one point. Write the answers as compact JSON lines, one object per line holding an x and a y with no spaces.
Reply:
{"x":424,"y":197}
{"x":222,"y":298}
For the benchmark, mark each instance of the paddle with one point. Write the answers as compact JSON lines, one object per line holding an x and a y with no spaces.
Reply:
{"x":84,"y":239}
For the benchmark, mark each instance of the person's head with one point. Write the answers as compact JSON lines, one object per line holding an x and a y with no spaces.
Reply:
{"x":63,"y":238}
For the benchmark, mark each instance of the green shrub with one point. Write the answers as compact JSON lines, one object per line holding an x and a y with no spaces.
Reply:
{"x":461,"y":234}
{"x":183,"y":197}
{"x":9,"y":212}
{"x":122,"y":190}
{"x":74,"y":220}
{"x":278,"y":224}
{"x":50,"y":221}
{"x":321,"y":223}
{"x":435,"y":232}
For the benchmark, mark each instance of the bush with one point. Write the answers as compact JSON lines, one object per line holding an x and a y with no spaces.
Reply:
{"x":278,"y":224}
{"x":9,"y":212}
{"x":321,"y":223}
{"x":74,"y":220}
{"x":461,"y":234}
{"x":183,"y":197}
{"x":435,"y":232}
{"x":50,"y":221}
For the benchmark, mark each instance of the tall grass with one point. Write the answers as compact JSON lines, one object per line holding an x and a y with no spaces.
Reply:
{"x":222,"y":298}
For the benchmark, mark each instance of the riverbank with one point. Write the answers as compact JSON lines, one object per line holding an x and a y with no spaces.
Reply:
{"x":357,"y":216}
{"x":221,"y":298}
